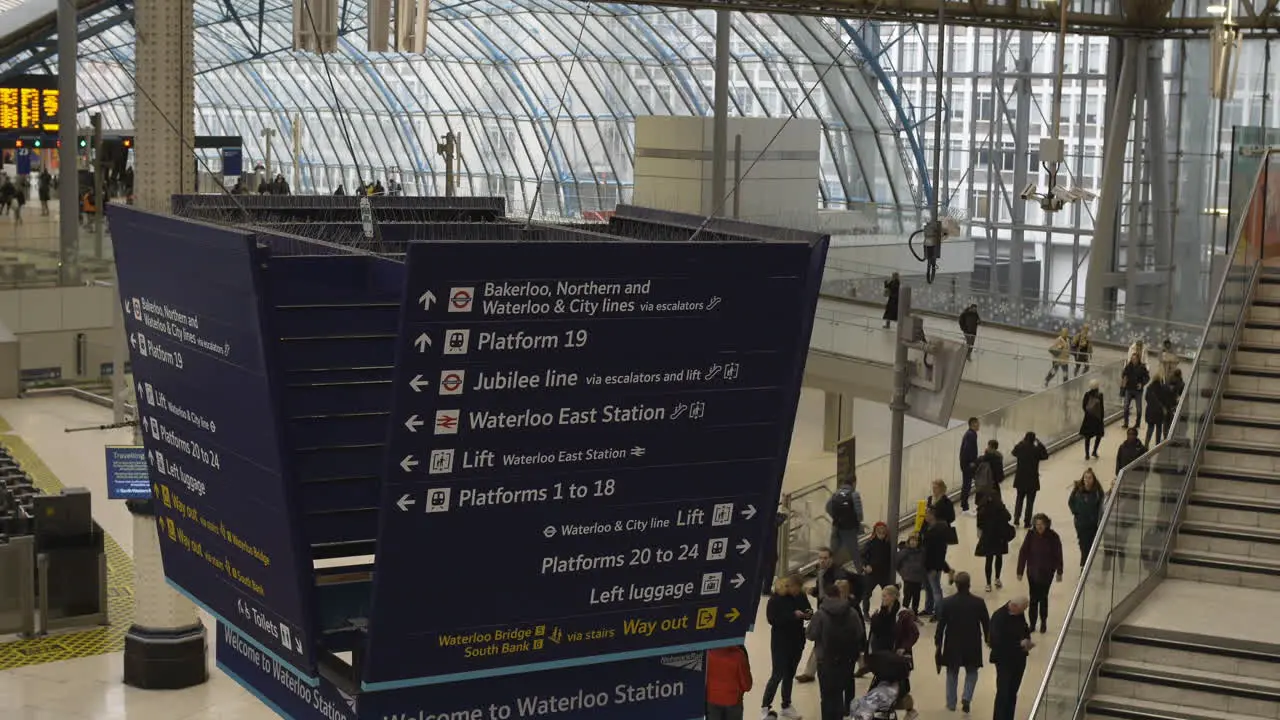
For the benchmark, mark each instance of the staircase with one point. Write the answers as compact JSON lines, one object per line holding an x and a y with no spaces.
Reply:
{"x":1180,"y":668}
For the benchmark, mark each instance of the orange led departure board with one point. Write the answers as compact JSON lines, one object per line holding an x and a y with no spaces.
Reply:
{"x":29,"y":103}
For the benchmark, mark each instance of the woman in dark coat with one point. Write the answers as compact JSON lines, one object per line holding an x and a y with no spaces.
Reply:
{"x":1086,"y":501}
{"x":994,"y":533}
{"x":891,"y":300}
{"x":1094,"y":424}
{"x":1029,"y":452}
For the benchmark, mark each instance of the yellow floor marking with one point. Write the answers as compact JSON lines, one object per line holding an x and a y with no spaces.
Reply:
{"x":69,"y":645}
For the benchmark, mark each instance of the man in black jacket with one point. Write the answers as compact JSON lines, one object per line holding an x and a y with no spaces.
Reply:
{"x":1010,"y":643}
{"x":839,"y":639}
{"x":1133,"y":379}
{"x":1131,"y":449}
{"x":829,"y":573}
{"x":969,"y":321}
{"x":962,"y":628}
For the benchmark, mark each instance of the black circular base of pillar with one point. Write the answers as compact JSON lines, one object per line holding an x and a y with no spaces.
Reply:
{"x":165,"y":659}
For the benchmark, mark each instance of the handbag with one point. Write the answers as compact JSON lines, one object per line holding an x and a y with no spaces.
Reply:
{"x":952,"y":537}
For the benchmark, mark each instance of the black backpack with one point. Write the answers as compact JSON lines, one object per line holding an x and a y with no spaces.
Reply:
{"x":844,"y":511}
{"x":844,"y":638}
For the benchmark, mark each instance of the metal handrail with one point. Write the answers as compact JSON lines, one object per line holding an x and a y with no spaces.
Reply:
{"x":1109,"y":507}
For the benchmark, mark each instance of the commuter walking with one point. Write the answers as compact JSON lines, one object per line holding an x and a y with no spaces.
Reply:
{"x":1040,"y":559}
{"x":728,"y":680}
{"x":1157,"y":399}
{"x":969,"y":322}
{"x":1029,"y":452}
{"x":876,"y":569}
{"x":829,"y":576}
{"x":19,"y":200}
{"x":44,"y":191}
{"x":1059,"y":357}
{"x":1174,"y":386}
{"x":845,"y":510}
{"x":1133,"y":378}
{"x":891,"y":287}
{"x":935,"y":538}
{"x":1131,"y":449}
{"x":1094,"y":424}
{"x":968,"y":462}
{"x":1168,"y":359}
{"x":340,"y":191}
{"x":1086,"y":501}
{"x":989,"y":473}
{"x":994,"y":533}
{"x":963,"y":627}
{"x":911,"y":570}
{"x":787,"y":610}
{"x":1010,"y":644}
{"x":8,"y":192}
{"x":839,"y":639}
{"x":1082,"y":349}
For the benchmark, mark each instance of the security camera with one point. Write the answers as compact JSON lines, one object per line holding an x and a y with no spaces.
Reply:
{"x":1028,"y":192}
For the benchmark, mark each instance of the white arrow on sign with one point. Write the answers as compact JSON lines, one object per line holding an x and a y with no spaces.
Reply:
{"x":413,"y":423}
{"x":408,"y":463}
{"x":749,"y":512}
{"x":737,"y":581}
{"x":404,"y":502}
{"x":417,"y":383}
{"x":426,"y":299}
{"x":743,"y":547}
{"x":422,"y":342}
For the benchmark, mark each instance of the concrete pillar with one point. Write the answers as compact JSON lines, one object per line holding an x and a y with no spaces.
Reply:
{"x":837,"y":419}
{"x":1161,"y":191}
{"x":1021,"y":131}
{"x":165,"y":161}
{"x":1103,"y":247}
{"x":166,"y":647}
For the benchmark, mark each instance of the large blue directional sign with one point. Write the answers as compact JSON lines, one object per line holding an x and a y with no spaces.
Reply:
{"x":228,"y":521}
{"x":670,"y":687}
{"x":589,"y":440}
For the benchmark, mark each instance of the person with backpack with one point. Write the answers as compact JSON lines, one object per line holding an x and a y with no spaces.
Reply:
{"x":1060,"y":357}
{"x":839,"y":639}
{"x":968,"y":463}
{"x":1029,"y":453}
{"x":845,"y":510}
{"x":1094,"y":424}
{"x":1158,"y":410}
{"x":1081,"y":349}
{"x":989,"y":472}
{"x":728,"y":680}
{"x":995,"y":531}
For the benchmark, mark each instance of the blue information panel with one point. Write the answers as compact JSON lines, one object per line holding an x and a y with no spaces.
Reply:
{"x":587,"y":440}
{"x":232,"y":161}
{"x":229,"y":528}
{"x":670,"y":687}
{"x":128,"y":475}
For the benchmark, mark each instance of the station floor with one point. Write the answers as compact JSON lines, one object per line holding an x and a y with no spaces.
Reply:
{"x":89,"y":688}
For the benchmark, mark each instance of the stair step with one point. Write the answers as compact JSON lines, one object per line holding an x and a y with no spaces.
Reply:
{"x":1234,"y":540}
{"x":1242,"y":447}
{"x":1221,"y":569}
{"x":1210,"y":652}
{"x":1261,"y":423}
{"x":1207,"y":689}
{"x":1224,"y":501}
{"x":1251,"y":370}
{"x":1115,"y":706}
{"x":1254,"y":396}
{"x":1221,"y":480}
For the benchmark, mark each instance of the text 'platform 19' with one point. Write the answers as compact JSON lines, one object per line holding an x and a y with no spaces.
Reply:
{"x":210,"y":428}
{"x":589,"y":438}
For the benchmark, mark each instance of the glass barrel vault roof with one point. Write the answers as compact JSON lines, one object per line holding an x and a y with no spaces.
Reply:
{"x":544,"y":94}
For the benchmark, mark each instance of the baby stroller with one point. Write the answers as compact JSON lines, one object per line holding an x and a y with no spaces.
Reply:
{"x":890,"y":689}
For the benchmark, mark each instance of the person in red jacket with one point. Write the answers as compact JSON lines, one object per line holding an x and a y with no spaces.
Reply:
{"x":728,"y":680}
{"x":1040,"y":559}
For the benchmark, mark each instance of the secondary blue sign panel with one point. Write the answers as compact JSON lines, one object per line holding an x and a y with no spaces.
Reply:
{"x":229,"y":528}
{"x":671,"y":687}
{"x":595,"y":431}
{"x":232,"y":161}
{"x":128,"y":476}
